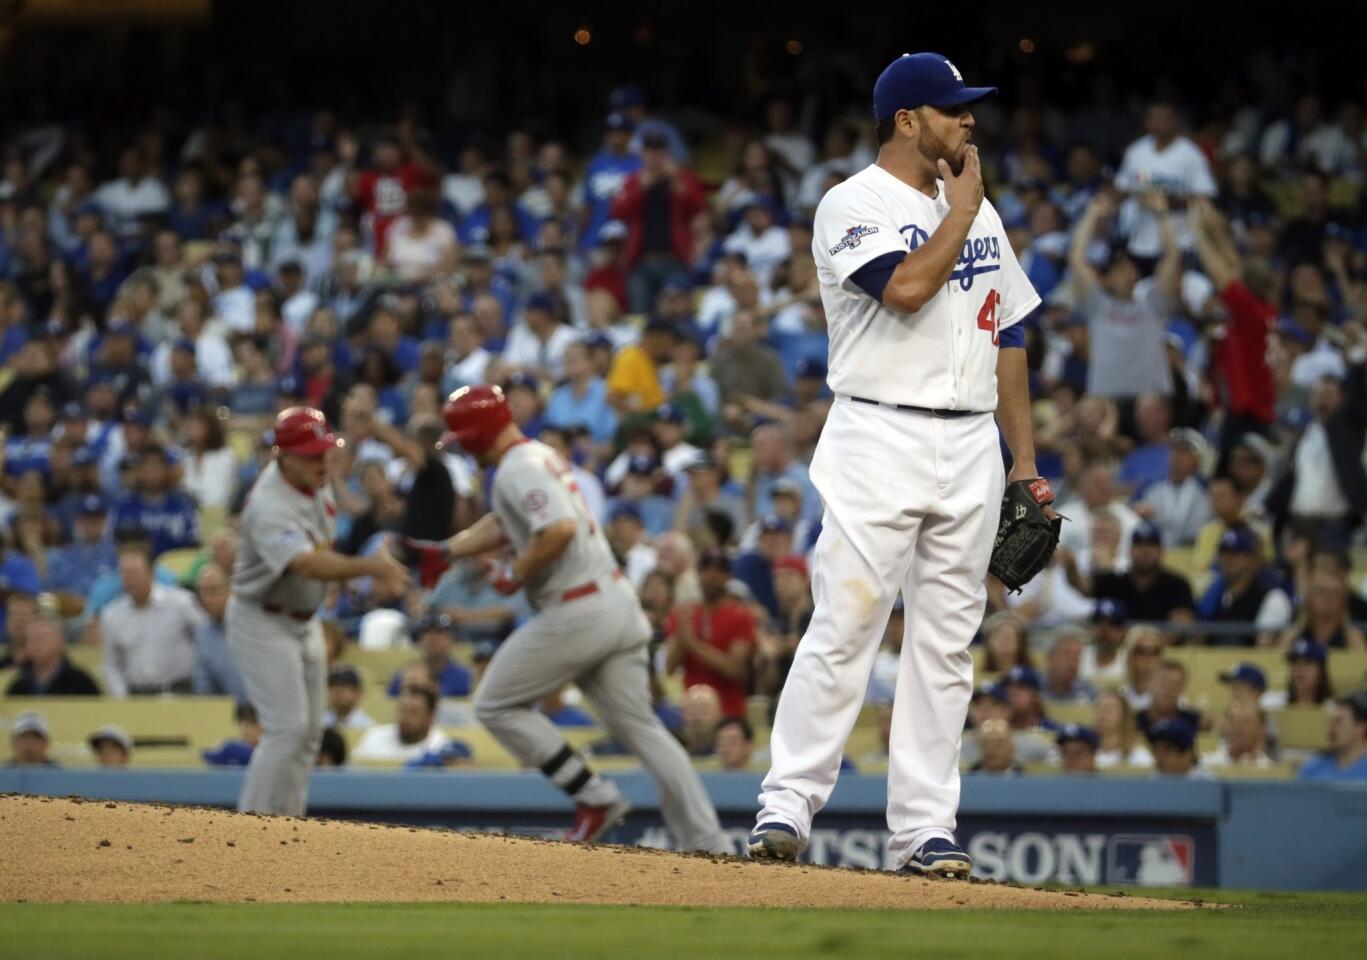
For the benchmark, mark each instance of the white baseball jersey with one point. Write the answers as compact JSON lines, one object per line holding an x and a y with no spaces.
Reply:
{"x":943,"y":356}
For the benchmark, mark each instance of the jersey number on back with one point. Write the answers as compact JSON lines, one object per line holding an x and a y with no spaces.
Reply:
{"x":562,"y":472}
{"x":987,"y":316}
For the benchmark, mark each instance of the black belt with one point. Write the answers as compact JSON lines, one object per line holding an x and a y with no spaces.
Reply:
{"x":178,"y":686}
{"x":947,"y":414}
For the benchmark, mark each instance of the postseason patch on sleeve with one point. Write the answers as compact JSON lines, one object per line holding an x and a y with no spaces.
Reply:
{"x":852,"y":237}
{"x":535,"y":501}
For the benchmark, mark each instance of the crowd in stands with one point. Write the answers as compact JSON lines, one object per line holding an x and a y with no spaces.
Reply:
{"x":1197,"y":365}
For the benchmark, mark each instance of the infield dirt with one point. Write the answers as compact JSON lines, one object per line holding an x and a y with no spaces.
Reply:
{"x":99,"y":851}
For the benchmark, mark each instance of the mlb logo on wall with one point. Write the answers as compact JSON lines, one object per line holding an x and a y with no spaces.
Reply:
{"x":1151,"y":861}
{"x":852,"y":237}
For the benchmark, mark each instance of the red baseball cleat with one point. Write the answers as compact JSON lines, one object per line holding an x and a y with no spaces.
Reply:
{"x":590,"y":823}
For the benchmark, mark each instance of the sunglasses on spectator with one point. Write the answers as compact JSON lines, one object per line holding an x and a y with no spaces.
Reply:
{"x":1149,"y":651}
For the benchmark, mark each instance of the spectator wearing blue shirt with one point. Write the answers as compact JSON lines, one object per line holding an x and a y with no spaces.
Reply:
{"x":498,"y":194}
{"x":74,"y":568}
{"x":563,"y":714}
{"x":108,"y":587}
{"x":434,"y":636}
{"x":630,"y":101}
{"x":605,"y":174}
{"x":168,"y":516}
{"x":582,"y":400}
{"x":638,"y":490}
{"x":215,"y":672}
{"x":771,"y":460}
{"x":32,"y":450}
{"x":1346,"y":758}
{"x":755,"y":569}
{"x":18,"y":576}
{"x":477,"y":611}
{"x":1148,"y":462}
{"x":387,"y":336}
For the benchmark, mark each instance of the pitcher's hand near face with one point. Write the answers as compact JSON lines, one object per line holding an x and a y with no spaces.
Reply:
{"x":966,"y":190}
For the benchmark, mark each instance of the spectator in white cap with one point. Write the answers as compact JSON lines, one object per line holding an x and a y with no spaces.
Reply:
{"x":112,"y":746}
{"x":28,"y":741}
{"x":1179,"y":505}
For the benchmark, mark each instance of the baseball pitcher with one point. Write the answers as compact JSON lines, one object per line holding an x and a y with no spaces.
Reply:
{"x":923,"y":297}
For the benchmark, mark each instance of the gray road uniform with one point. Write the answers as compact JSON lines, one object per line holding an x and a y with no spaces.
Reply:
{"x":276,"y":639}
{"x":588,"y":630}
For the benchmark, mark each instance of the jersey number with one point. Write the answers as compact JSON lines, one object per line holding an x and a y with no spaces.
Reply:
{"x":987,"y":316}
{"x":562,"y":472}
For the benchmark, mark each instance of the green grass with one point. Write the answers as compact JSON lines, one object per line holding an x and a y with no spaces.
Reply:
{"x":1319,"y":926}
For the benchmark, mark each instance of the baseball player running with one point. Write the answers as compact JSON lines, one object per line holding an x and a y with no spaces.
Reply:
{"x":284,"y":560}
{"x":589,"y":629}
{"x":922,"y":296}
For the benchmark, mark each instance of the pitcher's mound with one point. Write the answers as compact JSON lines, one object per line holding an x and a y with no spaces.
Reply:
{"x":94,"y":850}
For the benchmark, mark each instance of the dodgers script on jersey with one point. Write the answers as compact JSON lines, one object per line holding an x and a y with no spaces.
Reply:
{"x":534,"y":488}
{"x":943,"y":356}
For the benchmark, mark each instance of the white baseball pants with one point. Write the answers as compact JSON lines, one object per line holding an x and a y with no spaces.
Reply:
{"x":284,"y":668}
{"x":911,"y":505}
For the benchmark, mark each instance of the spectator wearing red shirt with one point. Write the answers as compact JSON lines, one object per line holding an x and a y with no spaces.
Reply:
{"x":657,"y":204}
{"x":1243,"y":375}
{"x":712,"y":641}
{"x":381,"y":193}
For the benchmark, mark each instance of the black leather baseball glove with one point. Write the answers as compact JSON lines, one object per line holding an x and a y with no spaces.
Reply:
{"x":1026,"y":537}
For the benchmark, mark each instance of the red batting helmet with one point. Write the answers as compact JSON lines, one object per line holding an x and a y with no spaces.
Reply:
{"x":476,"y":416}
{"x":304,"y":432}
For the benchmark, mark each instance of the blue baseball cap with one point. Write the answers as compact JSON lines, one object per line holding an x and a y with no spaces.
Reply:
{"x":642,"y":465}
{"x":92,"y":505}
{"x":136,"y":414}
{"x":83,"y":457}
{"x":1246,"y":673}
{"x":668,"y":413}
{"x":435,"y":621}
{"x":598,"y":339}
{"x":620,"y":121}
{"x":1146,"y":532}
{"x":1027,"y":676}
{"x":541,"y":301}
{"x":1111,"y":611}
{"x":344,"y":675}
{"x":809,"y":368}
{"x":186,"y":344}
{"x":1238,"y":540}
{"x":625,"y":511}
{"x":1171,"y":730}
{"x":522,"y":379}
{"x":1079,"y":733}
{"x":73,"y":410}
{"x":774,"y":524}
{"x":1307,"y":649}
{"x":997,"y":691}
{"x":922,"y":80}
{"x":290,"y":386}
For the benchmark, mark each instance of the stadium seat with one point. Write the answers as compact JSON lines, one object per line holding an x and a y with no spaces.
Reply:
{"x":1347,"y":671}
{"x":211,"y":520}
{"x":1304,"y":729}
{"x":179,"y":562}
{"x":166,"y":731}
{"x":1080,"y":713}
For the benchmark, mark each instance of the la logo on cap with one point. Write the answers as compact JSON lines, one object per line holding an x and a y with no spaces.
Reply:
{"x":955,"y":70}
